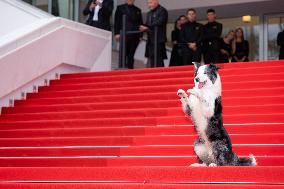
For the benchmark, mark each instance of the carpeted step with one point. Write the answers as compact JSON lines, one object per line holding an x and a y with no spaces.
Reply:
{"x":134,"y":130}
{"x":182,"y":150}
{"x":231,"y":67}
{"x":130,"y":121}
{"x":112,"y":101}
{"x":274,"y":138}
{"x":121,"y":161}
{"x":153,"y":82}
{"x":141,"y":112}
{"x":142,"y":185}
{"x":147,"y":174}
{"x":166,"y":73}
{"x":251,"y":88}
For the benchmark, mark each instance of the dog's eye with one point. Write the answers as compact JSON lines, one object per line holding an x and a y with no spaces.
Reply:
{"x":205,"y":72}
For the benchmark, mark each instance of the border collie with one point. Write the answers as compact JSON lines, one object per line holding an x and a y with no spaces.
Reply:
{"x":213,"y":146}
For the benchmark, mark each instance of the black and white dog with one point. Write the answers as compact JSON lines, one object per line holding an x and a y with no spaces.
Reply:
{"x":213,"y":146}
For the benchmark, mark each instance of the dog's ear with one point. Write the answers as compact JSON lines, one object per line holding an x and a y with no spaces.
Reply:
{"x":196,"y":65}
{"x":213,"y":67}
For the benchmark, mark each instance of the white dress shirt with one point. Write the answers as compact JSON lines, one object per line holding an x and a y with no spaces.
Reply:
{"x":96,"y":11}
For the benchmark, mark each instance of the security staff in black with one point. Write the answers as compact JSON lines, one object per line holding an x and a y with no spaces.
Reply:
{"x":211,"y":34}
{"x":191,"y":36}
{"x":280,"y":42}
{"x":156,"y":19}
{"x":133,"y":22}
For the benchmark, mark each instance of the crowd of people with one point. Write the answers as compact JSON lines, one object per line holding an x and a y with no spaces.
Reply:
{"x":191,"y":40}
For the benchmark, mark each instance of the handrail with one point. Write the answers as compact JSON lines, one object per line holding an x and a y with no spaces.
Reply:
{"x":19,"y":39}
{"x":29,"y":9}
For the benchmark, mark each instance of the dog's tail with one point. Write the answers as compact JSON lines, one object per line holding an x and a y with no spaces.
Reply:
{"x":247,"y":161}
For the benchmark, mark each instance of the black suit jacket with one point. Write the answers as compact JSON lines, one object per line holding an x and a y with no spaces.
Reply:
{"x":103,"y":16}
{"x":157,"y":18}
{"x":133,"y":18}
{"x":191,"y":32}
{"x":211,"y":33}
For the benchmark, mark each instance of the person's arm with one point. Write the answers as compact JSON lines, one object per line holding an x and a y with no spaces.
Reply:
{"x":117,"y":21}
{"x":87,"y":10}
{"x":140,"y":22}
{"x":107,"y":8}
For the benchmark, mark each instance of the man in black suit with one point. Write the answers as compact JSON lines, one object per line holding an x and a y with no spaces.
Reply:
{"x":191,"y":36}
{"x":133,"y":21}
{"x":99,"y":12}
{"x":211,"y":34}
{"x":157,"y":18}
{"x":280,"y":42}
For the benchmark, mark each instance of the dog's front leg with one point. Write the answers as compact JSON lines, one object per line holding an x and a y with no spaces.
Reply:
{"x":185,"y":102}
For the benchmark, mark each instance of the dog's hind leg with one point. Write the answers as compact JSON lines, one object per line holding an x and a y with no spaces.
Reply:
{"x":222,"y":153}
{"x":201,"y":152}
{"x":185,"y":102}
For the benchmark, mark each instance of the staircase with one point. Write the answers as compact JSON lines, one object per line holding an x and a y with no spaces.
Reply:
{"x":126,"y":129}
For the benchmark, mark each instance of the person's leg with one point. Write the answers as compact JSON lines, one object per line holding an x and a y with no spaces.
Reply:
{"x":129,"y":61}
{"x":132,"y":46}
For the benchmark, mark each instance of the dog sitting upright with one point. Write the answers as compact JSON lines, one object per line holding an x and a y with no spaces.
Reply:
{"x":213,"y":146}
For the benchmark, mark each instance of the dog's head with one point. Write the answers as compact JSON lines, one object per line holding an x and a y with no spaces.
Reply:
{"x":206,"y":76}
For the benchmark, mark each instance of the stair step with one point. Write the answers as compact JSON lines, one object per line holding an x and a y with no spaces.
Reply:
{"x":147,"y":174}
{"x":134,"y":130}
{"x":275,"y":138}
{"x":62,"y":85}
{"x":134,"y":185}
{"x":182,"y":150}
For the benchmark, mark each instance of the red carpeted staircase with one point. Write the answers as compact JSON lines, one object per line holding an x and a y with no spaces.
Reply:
{"x":126,"y":129}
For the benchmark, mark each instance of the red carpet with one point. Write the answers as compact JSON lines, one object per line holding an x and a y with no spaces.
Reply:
{"x":126,"y":129}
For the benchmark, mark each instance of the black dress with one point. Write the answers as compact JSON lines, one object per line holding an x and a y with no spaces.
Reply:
{"x":224,"y":58}
{"x":242,"y":50}
{"x":176,"y":57}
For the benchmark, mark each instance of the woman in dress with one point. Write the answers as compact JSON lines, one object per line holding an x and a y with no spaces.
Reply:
{"x":225,"y":45}
{"x":176,"y":56}
{"x":240,"y":47}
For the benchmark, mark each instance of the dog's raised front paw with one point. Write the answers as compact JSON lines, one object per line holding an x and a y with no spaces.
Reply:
{"x":181,"y":93}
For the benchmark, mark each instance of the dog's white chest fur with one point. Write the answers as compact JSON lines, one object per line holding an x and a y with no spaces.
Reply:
{"x":202,"y":108}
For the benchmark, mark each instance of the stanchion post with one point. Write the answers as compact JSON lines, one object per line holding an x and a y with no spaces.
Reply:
{"x":155,"y":46}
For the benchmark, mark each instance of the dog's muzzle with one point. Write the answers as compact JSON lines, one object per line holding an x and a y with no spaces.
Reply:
{"x":201,"y":84}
